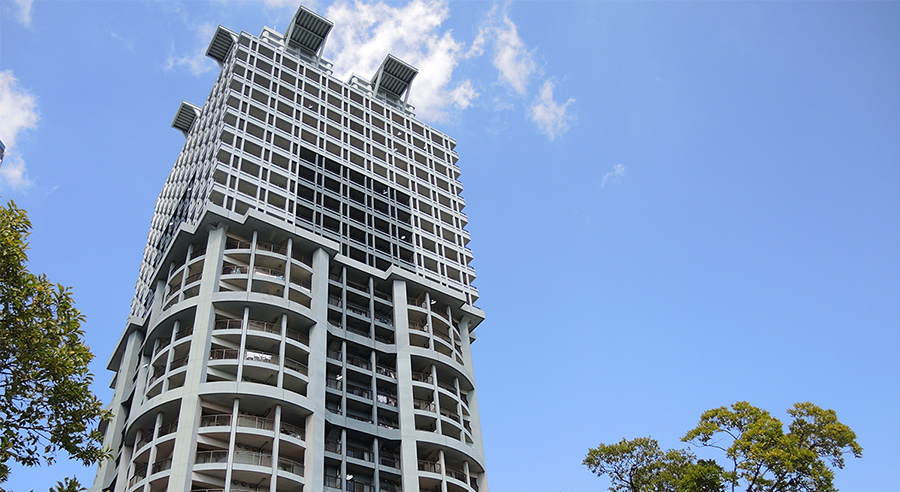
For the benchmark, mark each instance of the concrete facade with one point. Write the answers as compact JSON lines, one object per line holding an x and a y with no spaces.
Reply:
{"x":305,"y":308}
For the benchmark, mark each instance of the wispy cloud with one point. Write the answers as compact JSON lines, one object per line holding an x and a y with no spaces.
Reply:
{"x":195,"y":62}
{"x":514,"y":63}
{"x":551,"y":117}
{"x":364,"y":33}
{"x":613,"y":176}
{"x":23,"y":14}
{"x":17,"y":113}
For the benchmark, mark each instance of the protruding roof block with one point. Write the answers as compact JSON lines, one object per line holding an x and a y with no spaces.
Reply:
{"x":221,"y":44}
{"x":184,"y":118}
{"x":308,"y":31}
{"x":393,"y":77}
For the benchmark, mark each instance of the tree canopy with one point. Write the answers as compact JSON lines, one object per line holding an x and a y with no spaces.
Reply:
{"x":761,"y":455}
{"x":46,"y":404}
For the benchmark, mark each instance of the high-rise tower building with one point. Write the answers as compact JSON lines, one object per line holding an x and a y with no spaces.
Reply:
{"x":304,"y":312}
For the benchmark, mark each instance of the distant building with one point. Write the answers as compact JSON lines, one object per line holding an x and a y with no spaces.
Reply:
{"x":305,"y":307}
{"x":2,"y":151}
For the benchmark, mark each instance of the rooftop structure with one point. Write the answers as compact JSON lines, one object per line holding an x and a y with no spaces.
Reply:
{"x":305,"y":307}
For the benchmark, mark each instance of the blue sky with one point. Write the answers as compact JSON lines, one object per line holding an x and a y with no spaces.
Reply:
{"x":674,"y":205}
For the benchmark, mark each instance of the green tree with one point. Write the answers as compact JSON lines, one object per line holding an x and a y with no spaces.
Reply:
{"x":762,"y":456}
{"x":46,"y":404}
{"x":639,"y":465}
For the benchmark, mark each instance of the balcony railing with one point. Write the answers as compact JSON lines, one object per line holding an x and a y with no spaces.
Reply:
{"x":184,"y":332}
{"x":223,"y":354}
{"x":447,"y":386}
{"x":333,"y":383}
{"x":157,"y":373}
{"x":418,"y":326}
{"x":235,"y":270}
{"x":423,"y":405}
{"x":161,"y":465}
{"x":268,"y":272}
{"x":333,"y":446}
{"x":357,"y":486}
{"x":227,"y":324}
{"x":387,"y":399}
{"x":388,"y":459}
{"x":430,"y":466}
{"x":359,"y":391}
{"x":293,"y":431}
{"x":169,"y":428}
{"x":297,"y":255}
{"x":333,"y":354}
{"x":179,"y":362}
{"x":420,"y":303}
{"x":358,"y":286}
{"x":423,"y":377}
{"x":234,"y":243}
{"x":450,"y":415}
{"x":193,"y":278}
{"x":272,"y":248}
{"x":457,"y":474}
{"x":139,"y":474}
{"x":218,"y":420}
{"x":290,"y":466}
{"x":357,"y":309}
{"x":359,"y":362}
{"x":359,"y":453}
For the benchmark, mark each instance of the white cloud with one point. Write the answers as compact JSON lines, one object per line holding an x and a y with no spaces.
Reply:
{"x":551,"y":118}
{"x":614,"y":176}
{"x":511,"y":58}
{"x":24,"y":14}
{"x":364,"y":33}
{"x":17,"y":113}
{"x":197,"y":62}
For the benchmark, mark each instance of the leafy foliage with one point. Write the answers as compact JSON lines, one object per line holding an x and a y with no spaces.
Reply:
{"x":640,"y":465}
{"x":46,"y":404}
{"x":762,"y":457}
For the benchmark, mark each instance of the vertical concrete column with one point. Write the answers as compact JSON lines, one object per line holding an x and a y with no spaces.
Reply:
{"x":443,"y":465}
{"x":153,"y":452}
{"x":232,"y":437}
{"x":113,"y":437}
{"x":408,"y":454}
{"x":185,"y":451}
{"x":314,"y":458}
{"x":170,"y":354}
{"x":282,"y":350}
{"x":436,"y":396}
{"x":475,"y":421}
{"x":276,"y":450}
{"x":242,"y":347}
{"x":252,"y":262}
{"x":288,"y":264}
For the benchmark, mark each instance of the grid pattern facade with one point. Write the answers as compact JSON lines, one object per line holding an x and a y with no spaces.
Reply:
{"x":304,"y":311}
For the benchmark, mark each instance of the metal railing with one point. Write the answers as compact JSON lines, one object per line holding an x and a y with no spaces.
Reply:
{"x":413,"y":325}
{"x":184,"y":332}
{"x":333,"y":383}
{"x":423,"y":377}
{"x":358,"y":362}
{"x":268,"y":272}
{"x":389,"y":459}
{"x":290,"y":466}
{"x":456,"y":473}
{"x":429,"y":466}
{"x":387,"y":399}
{"x":333,"y":446}
{"x":193,"y":278}
{"x":333,"y":354}
{"x":179,"y":362}
{"x":223,"y":354}
{"x":447,"y":386}
{"x":359,"y":391}
{"x":359,"y":453}
{"x":293,"y":431}
{"x":385,"y":371}
{"x":423,"y":405}
{"x":235,"y":270}
{"x":161,"y":465}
